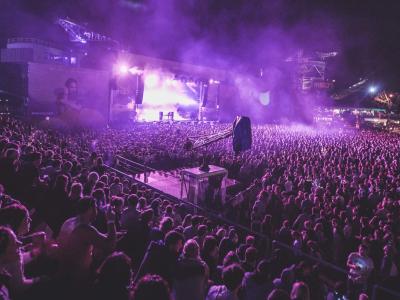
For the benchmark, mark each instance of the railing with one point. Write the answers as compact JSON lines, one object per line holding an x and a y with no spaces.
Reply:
{"x":133,"y":166}
{"x":277,"y":244}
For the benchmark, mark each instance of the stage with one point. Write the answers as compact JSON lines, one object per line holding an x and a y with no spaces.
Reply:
{"x":170,"y":182}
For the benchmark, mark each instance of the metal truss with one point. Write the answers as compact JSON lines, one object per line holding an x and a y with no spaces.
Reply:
{"x":80,"y":34}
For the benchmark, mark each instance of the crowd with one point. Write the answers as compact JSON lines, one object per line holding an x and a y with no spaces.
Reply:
{"x":72,"y":228}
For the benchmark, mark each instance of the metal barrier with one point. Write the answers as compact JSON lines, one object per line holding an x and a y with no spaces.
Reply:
{"x":133,"y":166}
{"x":212,"y":215}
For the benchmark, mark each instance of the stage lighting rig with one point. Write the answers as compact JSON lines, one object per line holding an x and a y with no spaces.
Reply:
{"x":81,"y":34}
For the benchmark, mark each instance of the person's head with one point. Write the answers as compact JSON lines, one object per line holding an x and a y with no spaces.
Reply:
{"x":61,"y":183}
{"x":264,"y":269}
{"x":187,"y":220}
{"x":278,"y":294}
{"x":174,"y":242}
{"x":196,"y":221}
{"x":210,"y":247}
{"x":233,"y":236}
{"x":118,"y":204}
{"x":166,"y":224}
{"x":87,"y":209}
{"x":115,"y":271}
{"x":250,"y":255}
{"x":66,"y":166}
{"x":221,"y":232}
{"x":363,"y":250}
{"x":169,"y":210}
{"x":142,"y":202}
{"x":147,"y":216}
{"x":232,"y":276}
{"x":151,"y":287}
{"x":300,"y":291}
{"x":191,"y":249}
{"x":230,"y":258}
{"x":76,"y":190}
{"x":201,"y":231}
{"x":99,"y":195}
{"x":132,"y":200}
{"x":11,"y":154}
{"x":9,"y":244}
{"x":363,"y":297}
{"x":93,"y":177}
{"x":99,"y":162}
{"x":250,"y":240}
{"x":15,"y":216}
{"x":72,"y":86}
{"x":35,"y":158}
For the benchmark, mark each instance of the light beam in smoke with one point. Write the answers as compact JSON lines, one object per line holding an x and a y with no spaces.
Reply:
{"x":151,"y":80}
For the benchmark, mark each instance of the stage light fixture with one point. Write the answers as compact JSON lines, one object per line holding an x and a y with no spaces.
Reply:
{"x":372,"y":89}
{"x":123,"y":69}
{"x":135,"y":71}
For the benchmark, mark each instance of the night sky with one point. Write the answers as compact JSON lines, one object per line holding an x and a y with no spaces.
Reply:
{"x":231,"y":33}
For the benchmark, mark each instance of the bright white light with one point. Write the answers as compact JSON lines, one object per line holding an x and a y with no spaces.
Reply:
{"x":213,"y":81}
{"x":151,"y":80}
{"x":123,"y":69}
{"x":135,"y":71}
{"x":162,"y":93}
{"x":47,"y":118}
{"x":372,"y":89}
{"x":264,"y":98}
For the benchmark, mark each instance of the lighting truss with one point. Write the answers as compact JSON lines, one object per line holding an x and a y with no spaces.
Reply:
{"x":80,"y":34}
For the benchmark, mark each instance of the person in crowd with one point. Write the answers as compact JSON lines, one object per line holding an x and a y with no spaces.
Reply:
{"x":232,"y":277}
{"x":257,"y":284}
{"x":300,"y":291}
{"x":389,"y":270}
{"x":191,"y":274}
{"x":162,"y":258}
{"x":210,"y":255}
{"x":114,"y":278}
{"x":78,"y":238}
{"x":228,"y":243}
{"x":11,"y":262}
{"x":151,"y":287}
{"x":16,"y":216}
{"x":191,"y":230}
{"x":130,"y":215}
{"x":137,"y":238}
{"x":250,"y":259}
{"x":360,"y":267}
